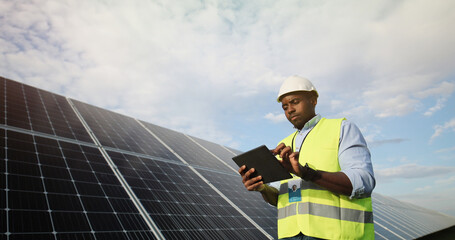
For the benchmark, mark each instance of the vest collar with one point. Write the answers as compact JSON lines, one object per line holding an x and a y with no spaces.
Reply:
{"x":310,"y":124}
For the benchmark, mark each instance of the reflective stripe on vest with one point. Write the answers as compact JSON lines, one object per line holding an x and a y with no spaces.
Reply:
{"x":303,"y":186}
{"x":326,"y":211}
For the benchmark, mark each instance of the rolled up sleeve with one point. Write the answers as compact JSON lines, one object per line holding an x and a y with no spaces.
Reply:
{"x":355,"y":160}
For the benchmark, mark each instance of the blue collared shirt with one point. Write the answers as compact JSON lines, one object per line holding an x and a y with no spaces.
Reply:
{"x":353,"y":156}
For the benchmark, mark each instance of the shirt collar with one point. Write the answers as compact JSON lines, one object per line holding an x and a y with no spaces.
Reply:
{"x":311,"y":123}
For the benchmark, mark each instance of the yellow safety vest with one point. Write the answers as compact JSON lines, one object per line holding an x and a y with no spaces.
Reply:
{"x":321,"y":213}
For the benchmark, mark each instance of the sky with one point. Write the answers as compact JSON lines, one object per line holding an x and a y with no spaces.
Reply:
{"x":212,"y":69}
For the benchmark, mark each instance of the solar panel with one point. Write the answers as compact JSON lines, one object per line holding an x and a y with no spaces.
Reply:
{"x":221,"y":152}
{"x":406,"y":221}
{"x":185,"y":147}
{"x":249,"y":202}
{"x":70,"y":170}
{"x":117,"y":131}
{"x":37,"y":110}
{"x":46,"y":198}
{"x":182,"y":205}
{"x":2,"y":100}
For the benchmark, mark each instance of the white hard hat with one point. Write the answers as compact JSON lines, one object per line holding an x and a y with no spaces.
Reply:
{"x":294,"y":84}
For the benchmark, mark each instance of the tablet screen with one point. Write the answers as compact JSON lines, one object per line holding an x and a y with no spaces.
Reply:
{"x":265,"y":164}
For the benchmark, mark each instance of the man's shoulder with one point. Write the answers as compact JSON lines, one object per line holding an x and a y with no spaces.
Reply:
{"x":327,"y":122}
{"x":335,"y":119}
{"x":288,"y":138}
{"x":344,"y":122}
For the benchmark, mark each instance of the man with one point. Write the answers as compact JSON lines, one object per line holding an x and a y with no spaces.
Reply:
{"x":331,"y":169}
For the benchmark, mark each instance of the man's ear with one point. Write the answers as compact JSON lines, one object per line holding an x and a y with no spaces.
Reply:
{"x":314,"y":101}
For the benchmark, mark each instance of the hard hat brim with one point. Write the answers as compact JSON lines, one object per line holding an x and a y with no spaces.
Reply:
{"x":303,"y":91}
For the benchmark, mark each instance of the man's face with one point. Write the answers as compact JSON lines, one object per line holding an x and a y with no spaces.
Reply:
{"x":299,"y":107}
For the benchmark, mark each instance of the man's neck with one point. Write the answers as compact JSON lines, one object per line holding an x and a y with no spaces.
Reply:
{"x":311,"y":123}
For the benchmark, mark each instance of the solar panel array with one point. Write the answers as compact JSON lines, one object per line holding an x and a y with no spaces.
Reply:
{"x":70,"y":170}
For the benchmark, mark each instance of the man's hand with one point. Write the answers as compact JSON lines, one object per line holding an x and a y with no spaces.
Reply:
{"x":289,"y":159}
{"x":251,"y":184}
{"x":269,"y":194}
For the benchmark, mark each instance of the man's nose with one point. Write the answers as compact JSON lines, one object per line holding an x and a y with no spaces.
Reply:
{"x":291,"y":109}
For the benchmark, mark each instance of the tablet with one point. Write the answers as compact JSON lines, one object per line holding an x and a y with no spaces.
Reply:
{"x":264,"y":163}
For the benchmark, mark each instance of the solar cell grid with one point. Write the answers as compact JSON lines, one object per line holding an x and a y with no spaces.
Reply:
{"x":115,"y":191}
{"x":31,"y":108}
{"x":236,"y":152}
{"x":2,"y":100}
{"x":231,"y":186}
{"x":2,"y":150}
{"x":52,"y":187}
{"x":100,"y":126}
{"x":63,"y":118}
{"x":2,"y":181}
{"x":37,"y":112}
{"x":383,"y":233}
{"x":398,"y":218}
{"x":220,"y":151}
{"x":417,"y":221}
{"x":16,"y":111}
{"x":174,"y":205}
{"x":128,"y":135}
{"x":186,"y":148}
{"x":62,"y":204}
{"x":393,"y":231}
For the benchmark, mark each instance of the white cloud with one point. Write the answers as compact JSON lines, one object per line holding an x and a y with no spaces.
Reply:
{"x":440,"y":129}
{"x":446,"y":150}
{"x":377,"y":143}
{"x":163,"y":62}
{"x":411,"y":57}
{"x":446,"y":181}
{"x":275,"y":118}
{"x":439,"y":105}
{"x":167,"y":63}
{"x":412,"y":171}
{"x":423,"y":188}
{"x":441,"y":91}
{"x":400,"y":96}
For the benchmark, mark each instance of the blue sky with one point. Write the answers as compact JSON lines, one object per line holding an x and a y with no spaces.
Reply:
{"x":212,"y":69}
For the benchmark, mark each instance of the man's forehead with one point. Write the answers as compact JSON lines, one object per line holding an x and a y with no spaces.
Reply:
{"x":294,"y":95}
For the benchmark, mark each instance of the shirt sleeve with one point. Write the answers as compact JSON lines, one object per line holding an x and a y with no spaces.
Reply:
{"x":355,"y":160}
{"x":275,"y":185}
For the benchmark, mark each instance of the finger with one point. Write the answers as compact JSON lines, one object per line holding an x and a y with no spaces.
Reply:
{"x":294,"y":156}
{"x":255,"y":186}
{"x":278,"y":148}
{"x":249,"y":172}
{"x":246,"y":175}
{"x":241,"y":169}
{"x":253,"y":183}
{"x":285,"y":152}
